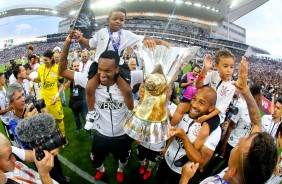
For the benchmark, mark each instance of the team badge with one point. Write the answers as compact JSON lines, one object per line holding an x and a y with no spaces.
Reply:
{"x":197,"y":130}
{"x":224,"y":91}
{"x":118,"y":91}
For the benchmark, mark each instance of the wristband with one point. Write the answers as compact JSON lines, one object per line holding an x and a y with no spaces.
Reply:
{"x":57,"y":95}
{"x":201,"y":77}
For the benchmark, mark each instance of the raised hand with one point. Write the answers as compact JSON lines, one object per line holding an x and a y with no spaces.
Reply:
{"x":241,"y":83}
{"x":208,"y":62}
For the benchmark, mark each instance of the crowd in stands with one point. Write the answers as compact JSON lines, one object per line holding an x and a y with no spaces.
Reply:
{"x":264,"y":71}
{"x":17,"y":52}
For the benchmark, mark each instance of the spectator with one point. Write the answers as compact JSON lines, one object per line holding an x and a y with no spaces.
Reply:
{"x":187,"y":84}
{"x":77,"y":101}
{"x":132,"y":64}
{"x":10,"y":166}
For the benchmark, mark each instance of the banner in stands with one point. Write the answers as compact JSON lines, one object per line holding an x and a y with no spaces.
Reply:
{"x":265,"y":105}
{"x":8,"y":43}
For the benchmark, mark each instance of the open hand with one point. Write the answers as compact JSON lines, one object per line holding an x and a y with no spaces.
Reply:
{"x":208,"y":62}
{"x":241,"y":83}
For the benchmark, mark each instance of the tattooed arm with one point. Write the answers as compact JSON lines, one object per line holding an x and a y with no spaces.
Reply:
{"x":253,"y":109}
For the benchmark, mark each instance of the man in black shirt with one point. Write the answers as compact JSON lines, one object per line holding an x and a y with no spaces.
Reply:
{"x":77,"y":101}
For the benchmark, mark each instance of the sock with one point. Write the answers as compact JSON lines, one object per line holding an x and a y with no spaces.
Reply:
{"x":151,"y":165}
{"x":143,"y":162}
{"x":121,"y":166}
{"x":101,"y":168}
{"x":91,"y":112}
{"x":62,"y":128}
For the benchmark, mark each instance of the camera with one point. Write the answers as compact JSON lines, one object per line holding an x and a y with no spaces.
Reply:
{"x":181,"y":161}
{"x":233,"y":109}
{"x":38,"y":104}
{"x":48,"y":143}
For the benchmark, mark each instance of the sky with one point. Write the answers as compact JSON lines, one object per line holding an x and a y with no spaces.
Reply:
{"x":263,"y":25}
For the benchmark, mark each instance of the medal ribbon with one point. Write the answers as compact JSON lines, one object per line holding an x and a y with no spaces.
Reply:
{"x":115,"y":45}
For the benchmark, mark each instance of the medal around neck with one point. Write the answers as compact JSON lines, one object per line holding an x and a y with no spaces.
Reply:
{"x":149,"y":122}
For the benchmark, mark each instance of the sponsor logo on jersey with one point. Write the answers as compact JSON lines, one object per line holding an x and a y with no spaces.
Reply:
{"x":110,"y":104}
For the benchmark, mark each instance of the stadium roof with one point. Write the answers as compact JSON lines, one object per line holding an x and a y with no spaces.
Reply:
{"x":209,"y":10}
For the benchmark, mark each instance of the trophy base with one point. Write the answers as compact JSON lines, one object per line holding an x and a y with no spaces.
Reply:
{"x":145,"y":131}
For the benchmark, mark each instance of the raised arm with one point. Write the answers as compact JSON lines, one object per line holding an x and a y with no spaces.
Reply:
{"x":207,"y":66}
{"x":63,"y":64}
{"x":241,"y":84}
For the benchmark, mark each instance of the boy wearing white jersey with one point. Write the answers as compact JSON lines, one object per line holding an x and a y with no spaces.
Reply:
{"x":219,"y":80}
{"x":185,"y":133}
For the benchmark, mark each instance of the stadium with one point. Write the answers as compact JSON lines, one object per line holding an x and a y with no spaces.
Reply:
{"x":205,"y":23}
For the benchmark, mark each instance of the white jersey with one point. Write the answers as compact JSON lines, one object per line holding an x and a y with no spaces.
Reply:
{"x":3,"y":99}
{"x":109,"y":102}
{"x":34,"y":87}
{"x":216,"y":179}
{"x":176,"y":149}
{"x":4,"y":105}
{"x":268,"y":125}
{"x":12,"y":79}
{"x":101,"y":40}
{"x":22,"y":172}
{"x":136,"y":77}
{"x":84,"y":68}
{"x":243,"y":123}
{"x":224,"y":89}
{"x":35,"y":67}
{"x":26,"y":87}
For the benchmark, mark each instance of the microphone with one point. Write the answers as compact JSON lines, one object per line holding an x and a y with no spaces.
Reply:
{"x":39,"y":132}
{"x":35,"y":127}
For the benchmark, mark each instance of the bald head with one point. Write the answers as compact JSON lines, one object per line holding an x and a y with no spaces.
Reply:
{"x":209,"y":94}
{"x":202,"y":103}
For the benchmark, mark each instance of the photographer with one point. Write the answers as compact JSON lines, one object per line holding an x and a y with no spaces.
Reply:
{"x":77,"y":101}
{"x":15,"y":171}
{"x":16,"y":98}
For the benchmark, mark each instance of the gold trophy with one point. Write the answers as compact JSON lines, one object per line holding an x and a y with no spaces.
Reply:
{"x":149,"y":122}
